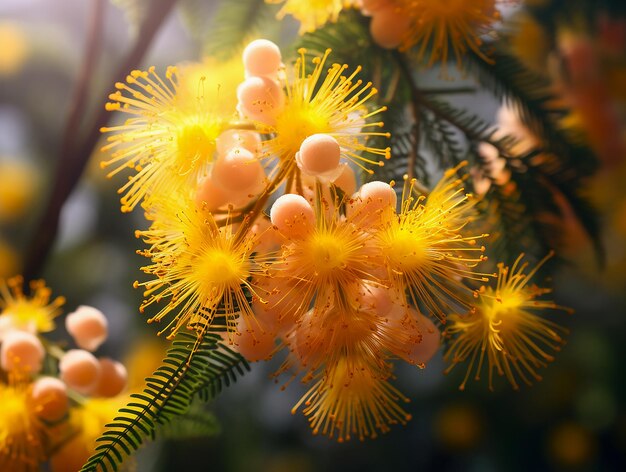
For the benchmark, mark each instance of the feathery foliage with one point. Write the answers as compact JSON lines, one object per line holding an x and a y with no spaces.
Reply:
{"x":190,"y":366}
{"x":566,"y":161}
{"x":235,"y":23}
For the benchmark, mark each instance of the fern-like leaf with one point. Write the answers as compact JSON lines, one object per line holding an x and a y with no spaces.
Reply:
{"x":194,"y":15}
{"x":569,"y":162}
{"x":235,"y":23}
{"x":190,"y":366}
{"x":197,"y":423}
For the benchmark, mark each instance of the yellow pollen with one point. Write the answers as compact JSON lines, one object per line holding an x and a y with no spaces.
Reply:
{"x":221,"y":267}
{"x":297,"y":123}
{"x":404,"y":250}
{"x":327,"y":253}
{"x":509,"y":301}
{"x":195,"y":143}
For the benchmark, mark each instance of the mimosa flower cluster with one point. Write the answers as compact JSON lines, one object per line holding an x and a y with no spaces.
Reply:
{"x":260,"y":229}
{"x":45,"y":390}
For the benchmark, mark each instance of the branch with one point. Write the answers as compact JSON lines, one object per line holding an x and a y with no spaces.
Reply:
{"x":73,"y":159}
{"x":419,"y":98}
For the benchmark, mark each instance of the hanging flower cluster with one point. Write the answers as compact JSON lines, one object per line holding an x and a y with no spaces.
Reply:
{"x":439,"y":30}
{"x":342,"y":276}
{"x":46,"y":392}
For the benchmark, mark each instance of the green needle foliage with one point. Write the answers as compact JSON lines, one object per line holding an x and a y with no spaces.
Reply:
{"x":192,"y":368}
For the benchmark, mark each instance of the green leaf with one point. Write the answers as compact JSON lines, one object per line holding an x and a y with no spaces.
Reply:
{"x":192,"y":367}
{"x":195,"y":16}
{"x":567,"y":162}
{"x":195,"y":424}
{"x":236,"y":23}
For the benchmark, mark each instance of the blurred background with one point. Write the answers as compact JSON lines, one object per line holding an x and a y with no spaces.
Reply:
{"x":575,"y":419}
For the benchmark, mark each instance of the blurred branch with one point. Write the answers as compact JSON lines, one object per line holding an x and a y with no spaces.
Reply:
{"x":415,"y":106}
{"x":73,"y":156}
{"x":79,"y":98}
{"x":419,"y":98}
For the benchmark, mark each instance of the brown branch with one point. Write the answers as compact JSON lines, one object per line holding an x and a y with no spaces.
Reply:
{"x":73,"y":159}
{"x":79,"y":98}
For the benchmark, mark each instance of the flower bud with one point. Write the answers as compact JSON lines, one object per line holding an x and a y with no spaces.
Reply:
{"x":261,"y":58}
{"x":80,"y":370}
{"x":23,"y":351}
{"x":88,"y":326}
{"x":112,"y":380}
{"x":49,"y":397}
{"x":293,"y":216}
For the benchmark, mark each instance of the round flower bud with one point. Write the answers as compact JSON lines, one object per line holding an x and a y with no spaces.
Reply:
{"x":23,"y":351}
{"x":346,"y":180}
{"x":374,"y":203}
{"x":49,"y":397}
{"x":378,"y":195}
{"x":255,"y":342}
{"x":388,"y":27}
{"x":420,"y":338}
{"x":319,"y":156}
{"x":80,"y":370}
{"x":112,"y":380}
{"x":247,"y":139}
{"x":238,"y":170}
{"x":261,"y":57}
{"x":293,"y":216}
{"x":278,"y":303}
{"x":88,"y":326}
{"x":210,"y":195}
{"x":260,"y":99}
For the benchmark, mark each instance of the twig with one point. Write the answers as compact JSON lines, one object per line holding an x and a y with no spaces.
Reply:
{"x":448,"y":90}
{"x":415,"y":106}
{"x":73,"y":159}
{"x":418,"y":98}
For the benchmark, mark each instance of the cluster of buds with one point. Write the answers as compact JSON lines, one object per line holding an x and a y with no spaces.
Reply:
{"x":344,"y":275}
{"x":41,"y":380}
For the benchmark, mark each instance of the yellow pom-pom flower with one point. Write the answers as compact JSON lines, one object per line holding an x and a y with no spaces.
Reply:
{"x":34,"y":314}
{"x":324,"y":266}
{"x":325,"y":101}
{"x":168,"y":139}
{"x":201,"y":267}
{"x":427,"y":251}
{"x":504,"y":331}
{"x":21,"y":431}
{"x":437,"y":29}
{"x":353,"y":399}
